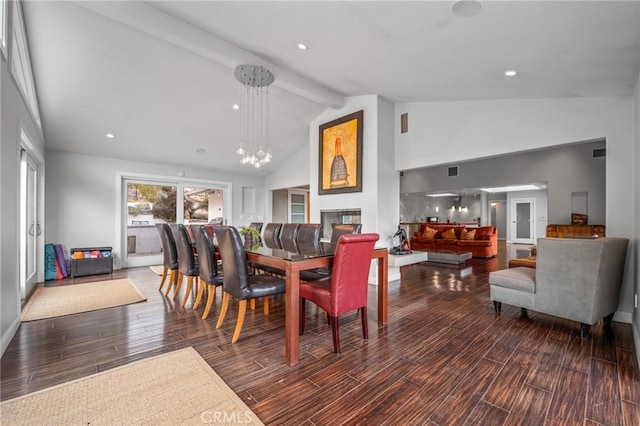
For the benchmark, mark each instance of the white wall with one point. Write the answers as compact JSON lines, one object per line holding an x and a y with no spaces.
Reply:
{"x":449,"y":132}
{"x":14,"y":115}
{"x":294,"y":174}
{"x":366,"y":200}
{"x":82,"y":204}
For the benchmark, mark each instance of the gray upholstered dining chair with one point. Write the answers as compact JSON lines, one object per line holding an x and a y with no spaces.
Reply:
{"x":238,"y":282}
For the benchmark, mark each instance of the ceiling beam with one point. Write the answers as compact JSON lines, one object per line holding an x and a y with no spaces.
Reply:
{"x":154,"y":22}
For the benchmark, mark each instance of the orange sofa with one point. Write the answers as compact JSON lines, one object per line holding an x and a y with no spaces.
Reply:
{"x":484,"y":243}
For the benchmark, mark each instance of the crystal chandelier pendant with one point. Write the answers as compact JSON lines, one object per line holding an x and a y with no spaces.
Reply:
{"x":254,"y":109}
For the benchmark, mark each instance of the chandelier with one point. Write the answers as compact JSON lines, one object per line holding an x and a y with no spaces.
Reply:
{"x":254,"y":114}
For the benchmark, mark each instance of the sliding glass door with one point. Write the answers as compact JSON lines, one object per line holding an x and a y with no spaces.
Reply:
{"x":150,"y":202}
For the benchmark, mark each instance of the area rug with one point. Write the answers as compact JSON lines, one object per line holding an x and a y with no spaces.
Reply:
{"x":157,"y":269}
{"x":177,"y":388}
{"x":49,"y":302}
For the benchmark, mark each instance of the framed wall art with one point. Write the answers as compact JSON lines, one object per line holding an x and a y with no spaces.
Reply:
{"x":340,"y":155}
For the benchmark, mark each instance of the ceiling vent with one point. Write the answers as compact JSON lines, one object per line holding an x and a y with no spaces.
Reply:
{"x":599,"y":152}
{"x":452,"y":171}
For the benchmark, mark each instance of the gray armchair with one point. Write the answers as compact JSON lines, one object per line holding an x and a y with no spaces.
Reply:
{"x":576,"y":279}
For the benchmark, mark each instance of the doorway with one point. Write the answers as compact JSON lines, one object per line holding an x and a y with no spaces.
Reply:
{"x":522,"y":223}
{"x":29,"y":227}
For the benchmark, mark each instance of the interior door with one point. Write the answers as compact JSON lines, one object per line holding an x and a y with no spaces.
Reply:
{"x":522,"y":220}
{"x":29,"y":225}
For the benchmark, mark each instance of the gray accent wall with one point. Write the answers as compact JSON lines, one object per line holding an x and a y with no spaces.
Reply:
{"x":566,"y":169}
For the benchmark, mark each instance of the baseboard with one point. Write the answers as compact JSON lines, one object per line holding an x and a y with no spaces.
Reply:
{"x":8,"y":336}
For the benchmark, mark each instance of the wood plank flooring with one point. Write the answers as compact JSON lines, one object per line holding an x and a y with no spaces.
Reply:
{"x":444,"y":358}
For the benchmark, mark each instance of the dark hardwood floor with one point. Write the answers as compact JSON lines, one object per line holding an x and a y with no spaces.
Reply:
{"x":444,"y":357}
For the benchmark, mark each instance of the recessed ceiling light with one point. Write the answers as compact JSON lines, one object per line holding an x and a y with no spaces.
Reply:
{"x":199,"y":150}
{"x":302,"y":46}
{"x":442,"y":194}
{"x":466,"y":8}
{"x":512,"y":188}
{"x":236,"y":106}
{"x":511,"y":73}
{"x":111,"y":135}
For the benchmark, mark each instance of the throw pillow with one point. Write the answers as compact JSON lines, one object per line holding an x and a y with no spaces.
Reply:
{"x":468,"y":235}
{"x":449,"y":234}
{"x":429,"y":233}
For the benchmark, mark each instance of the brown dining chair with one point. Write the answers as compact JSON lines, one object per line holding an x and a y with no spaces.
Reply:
{"x":308,"y":232}
{"x":169,"y":255}
{"x":256,"y":225}
{"x":338,"y":229}
{"x":347,"y":287}
{"x":289,"y":236}
{"x":238,"y":282}
{"x":208,"y":266}
{"x":187,"y":263}
{"x":271,"y":235}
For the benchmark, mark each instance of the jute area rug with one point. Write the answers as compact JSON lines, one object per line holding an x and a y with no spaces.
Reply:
{"x":49,"y":302}
{"x":157,"y":269}
{"x":177,"y":388}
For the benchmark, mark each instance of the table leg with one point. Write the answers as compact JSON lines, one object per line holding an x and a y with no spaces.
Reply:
{"x":292,"y":319}
{"x":383,"y":289}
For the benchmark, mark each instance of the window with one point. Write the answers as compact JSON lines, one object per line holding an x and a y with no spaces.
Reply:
{"x":21,"y":64}
{"x":3,"y":27}
{"x":149,"y":200}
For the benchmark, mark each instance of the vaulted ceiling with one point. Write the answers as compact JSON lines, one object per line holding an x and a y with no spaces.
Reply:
{"x":159,"y":74}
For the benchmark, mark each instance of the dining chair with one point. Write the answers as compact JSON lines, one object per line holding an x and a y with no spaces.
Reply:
{"x":271,"y":235}
{"x":208,"y":265}
{"x":169,"y":255}
{"x":187,"y":263}
{"x":238,"y":282}
{"x":338,"y":229}
{"x":308,"y":232}
{"x":288,"y":236}
{"x":256,"y":225}
{"x":347,"y":287}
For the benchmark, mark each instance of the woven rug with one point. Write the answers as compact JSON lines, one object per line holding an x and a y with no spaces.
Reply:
{"x":177,"y":388}
{"x":49,"y":302}
{"x":157,"y":269}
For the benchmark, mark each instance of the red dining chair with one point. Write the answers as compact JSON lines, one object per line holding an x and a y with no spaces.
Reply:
{"x":347,"y":287}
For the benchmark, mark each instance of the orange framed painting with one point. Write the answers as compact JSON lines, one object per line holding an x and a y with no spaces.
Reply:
{"x":340,"y":155}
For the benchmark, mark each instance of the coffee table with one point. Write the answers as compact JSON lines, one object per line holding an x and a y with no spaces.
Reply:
{"x":448,"y":256}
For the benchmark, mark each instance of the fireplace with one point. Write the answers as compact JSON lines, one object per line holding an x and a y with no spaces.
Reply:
{"x":328,"y":217}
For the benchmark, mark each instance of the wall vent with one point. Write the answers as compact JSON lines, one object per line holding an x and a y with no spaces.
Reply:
{"x":599,"y":152}
{"x":401,"y":174}
{"x":404,"y":122}
{"x":452,"y":171}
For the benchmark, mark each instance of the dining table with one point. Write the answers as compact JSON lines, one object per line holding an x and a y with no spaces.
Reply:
{"x":317,"y":255}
